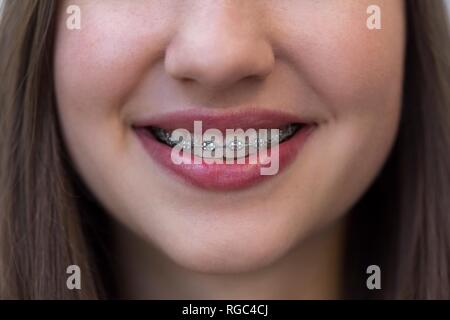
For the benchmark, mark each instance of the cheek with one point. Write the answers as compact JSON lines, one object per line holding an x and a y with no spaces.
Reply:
{"x":357,"y":75}
{"x":349,"y":67}
{"x":98,"y":67}
{"x":96,"y":70}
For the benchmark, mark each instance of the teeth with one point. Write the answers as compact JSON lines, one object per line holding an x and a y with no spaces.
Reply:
{"x":209,"y":146}
{"x":236,"y":145}
{"x":261,"y":140}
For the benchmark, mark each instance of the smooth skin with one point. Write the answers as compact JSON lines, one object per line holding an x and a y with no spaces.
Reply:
{"x":280,"y":239}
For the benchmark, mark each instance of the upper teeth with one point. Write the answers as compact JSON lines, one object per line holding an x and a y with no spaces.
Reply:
{"x":235,"y":144}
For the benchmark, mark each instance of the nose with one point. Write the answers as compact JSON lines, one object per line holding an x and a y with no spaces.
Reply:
{"x":218,"y":46}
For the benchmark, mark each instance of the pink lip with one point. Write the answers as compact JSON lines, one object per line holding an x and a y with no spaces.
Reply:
{"x":222,"y":177}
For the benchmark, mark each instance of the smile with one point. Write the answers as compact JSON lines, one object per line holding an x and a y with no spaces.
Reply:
{"x":236,"y":143}
{"x":262,"y":143}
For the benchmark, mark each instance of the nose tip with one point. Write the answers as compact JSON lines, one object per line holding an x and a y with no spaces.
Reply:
{"x":219,"y":59}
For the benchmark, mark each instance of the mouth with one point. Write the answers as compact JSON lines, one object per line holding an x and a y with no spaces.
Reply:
{"x":257,"y":134}
{"x":250,"y":143}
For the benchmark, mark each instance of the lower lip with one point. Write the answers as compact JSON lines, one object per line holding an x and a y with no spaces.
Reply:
{"x":222,"y":177}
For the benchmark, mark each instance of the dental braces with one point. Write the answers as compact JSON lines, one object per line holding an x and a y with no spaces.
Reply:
{"x":234,"y":145}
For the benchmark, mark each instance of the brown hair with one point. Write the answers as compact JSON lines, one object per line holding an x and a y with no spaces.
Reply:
{"x":47,"y":217}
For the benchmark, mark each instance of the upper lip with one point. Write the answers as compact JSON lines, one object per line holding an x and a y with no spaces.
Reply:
{"x":222,"y":119}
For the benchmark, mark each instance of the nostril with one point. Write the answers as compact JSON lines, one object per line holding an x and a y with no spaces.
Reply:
{"x":187,"y":80}
{"x":219,"y":66}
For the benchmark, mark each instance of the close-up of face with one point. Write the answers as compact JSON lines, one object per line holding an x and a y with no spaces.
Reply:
{"x":224,"y":150}
{"x":137,"y":65}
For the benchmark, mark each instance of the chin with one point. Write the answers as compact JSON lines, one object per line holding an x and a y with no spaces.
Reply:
{"x":224,"y":260}
{"x":225,"y":253}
